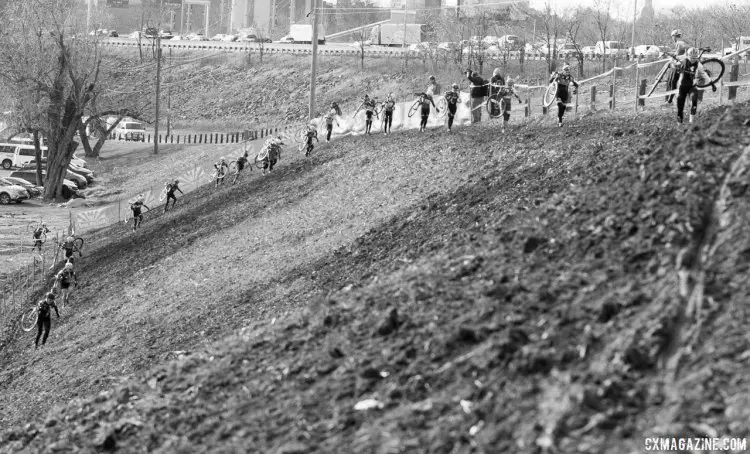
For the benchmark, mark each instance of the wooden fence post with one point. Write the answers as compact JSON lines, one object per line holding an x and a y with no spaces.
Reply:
{"x":642,"y":92}
{"x":593,"y":98}
{"x":527,"y":108}
{"x":611,"y":96}
{"x":637,"y":91}
{"x":734,"y":73}
{"x":149,"y":138}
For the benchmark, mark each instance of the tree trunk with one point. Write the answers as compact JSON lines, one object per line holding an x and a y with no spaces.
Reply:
{"x":38,"y":156}
{"x":85,"y":141}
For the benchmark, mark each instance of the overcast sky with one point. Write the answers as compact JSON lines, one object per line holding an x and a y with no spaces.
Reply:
{"x":626,"y":6}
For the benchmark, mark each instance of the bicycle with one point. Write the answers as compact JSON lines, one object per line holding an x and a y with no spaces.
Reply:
{"x":442,"y":106}
{"x":550,"y":94}
{"x":714,"y":67}
{"x":77,"y":247}
{"x":495,"y":105}
{"x":218,"y":174}
{"x":29,"y":319}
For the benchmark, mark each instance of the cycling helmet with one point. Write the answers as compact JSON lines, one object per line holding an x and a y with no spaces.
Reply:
{"x":69,"y":239}
{"x":50,"y":296}
{"x":68,"y":266}
{"x":432,"y":77}
{"x":566,"y":68}
{"x":176,"y":181}
{"x":496,"y":72}
{"x":676,"y":33}
{"x":693,"y":54}
{"x":44,"y":224}
{"x":222,"y":158}
{"x":454,"y":86}
{"x":510,"y":82}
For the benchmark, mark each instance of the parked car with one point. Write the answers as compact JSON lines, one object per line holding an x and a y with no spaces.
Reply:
{"x":130,"y":130}
{"x":510,"y":42}
{"x":18,"y":155}
{"x":567,"y":50}
{"x":12,"y":193}
{"x":490,"y":40}
{"x":196,"y":37}
{"x":286,"y":40}
{"x":34,"y":191}
{"x":69,"y":188}
{"x":79,"y":180}
{"x":648,"y":51}
{"x":176,"y":37}
{"x":150,"y":32}
{"x":135,"y":35}
{"x":358,"y":44}
{"x":166,"y":34}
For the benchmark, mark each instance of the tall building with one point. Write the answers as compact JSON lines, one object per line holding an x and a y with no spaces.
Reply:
{"x":647,"y":12}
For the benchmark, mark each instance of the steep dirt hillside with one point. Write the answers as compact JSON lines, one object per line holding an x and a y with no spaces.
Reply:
{"x":437,"y":293}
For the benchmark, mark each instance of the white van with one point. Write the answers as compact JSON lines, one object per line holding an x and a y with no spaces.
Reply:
{"x":130,"y":129}
{"x":16,"y":155}
{"x":610,"y":49}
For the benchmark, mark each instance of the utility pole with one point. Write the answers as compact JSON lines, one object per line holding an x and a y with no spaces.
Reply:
{"x":403,"y":44}
{"x":169,"y":97}
{"x":635,"y":15}
{"x":158,"y":82}
{"x":314,"y":69}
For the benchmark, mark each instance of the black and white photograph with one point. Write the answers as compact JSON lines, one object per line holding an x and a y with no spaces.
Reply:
{"x":375,"y":226}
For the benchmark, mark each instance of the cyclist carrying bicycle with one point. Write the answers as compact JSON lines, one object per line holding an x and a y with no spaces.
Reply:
{"x":452,"y":98}
{"x":496,"y":82}
{"x":680,"y":47}
{"x":273,"y":146}
{"x":64,"y":278}
{"x":388,"y":106}
{"x":689,"y":71}
{"x":369,"y":105}
{"x":312,"y":133}
{"x":69,"y":247}
{"x":38,"y":232}
{"x":330,"y":119}
{"x":221,"y":170}
{"x":425,"y":100}
{"x":505,"y":92}
{"x":44,"y":320}
{"x":136,"y":207}
{"x":562,"y":95}
{"x":171,"y":188}
{"x":241,"y":161}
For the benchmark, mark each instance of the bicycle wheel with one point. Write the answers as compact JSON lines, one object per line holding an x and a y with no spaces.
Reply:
{"x":300,"y":135}
{"x":414,"y":108}
{"x":442,"y":106}
{"x":260,"y":161}
{"x":550,"y":94}
{"x":494,"y":106}
{"x":163,"y":194}
{"x":28,"y":319}
{"x":78,"y":243}
{"x":233,"y":169}
{"x":714,"y":68}
{"x":213,"y":176}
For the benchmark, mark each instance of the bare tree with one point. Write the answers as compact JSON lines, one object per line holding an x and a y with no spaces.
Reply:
{"x":572,"y":27}
{"x":552,"y":27}
{"x":45,"y":54}
{"x":603,"y":19}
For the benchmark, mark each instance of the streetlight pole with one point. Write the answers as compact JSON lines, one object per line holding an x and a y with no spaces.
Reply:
{"x":158,"y":83}
{"x":635,"y":16}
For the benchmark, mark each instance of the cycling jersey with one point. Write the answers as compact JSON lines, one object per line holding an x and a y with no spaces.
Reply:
{"x":370,"y":105}
{"x":389,"y":105}
{"x":66,"y":276}
{"x":136,"y":207}
{"x":691,"y":72}
{"x":563,"y":79}
{"x":311,"y":135}
{"x":171,"y":188}
{"x":451,"y":97}
{"x":680,"y":47}
{"x":39,"y":231}
{"x":330,"y":117}
{"x":44,"y":307}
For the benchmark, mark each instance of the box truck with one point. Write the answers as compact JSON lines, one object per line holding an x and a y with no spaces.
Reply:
{"x":302,"y":34}
{"x":393,"y":34}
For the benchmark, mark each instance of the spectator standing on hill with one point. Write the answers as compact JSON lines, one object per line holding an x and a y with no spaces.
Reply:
{"x":388,"y":106}
{"x":171,"y":188}
{"x":44,"y":322}
{"x":369,"y":106}
{"x":452,"y":98}
{"x":478,"y":90}
{"x":496,"y":82}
